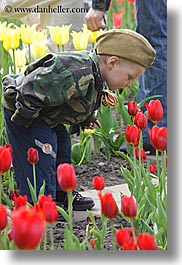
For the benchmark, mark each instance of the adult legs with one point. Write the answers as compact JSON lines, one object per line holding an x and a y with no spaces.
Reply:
{"x":152,"y":23}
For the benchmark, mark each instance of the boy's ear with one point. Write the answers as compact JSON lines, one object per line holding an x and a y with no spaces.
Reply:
{"x":112,"y":62}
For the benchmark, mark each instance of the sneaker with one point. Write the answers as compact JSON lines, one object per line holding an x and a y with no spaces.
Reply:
{"x":80,"y":203}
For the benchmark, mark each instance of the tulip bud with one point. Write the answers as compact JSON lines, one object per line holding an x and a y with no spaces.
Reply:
{"x":132,"y":108}
{"x":128,"y":206}
{"x":152,"y":168}
{"x":122,"y":237}
{"x":132,"y":134}
{"x":3,"y":217}
{"x":33,"y":156}
{"x":5,"y":158}
{"x":155,"y":110}
{"x":158,"y":137}
{"x":66,"y":177}
{"x":109,"y":207}
{"x":140,"y":154}
{"x":146,"y":241}
{"x":140,"y":120}
{"x":27,"y":228}
{"x":98,"y":182}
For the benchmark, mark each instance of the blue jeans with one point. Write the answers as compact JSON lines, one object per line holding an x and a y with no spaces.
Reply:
{"x":35,"y":136}
{"x":152,"y":23}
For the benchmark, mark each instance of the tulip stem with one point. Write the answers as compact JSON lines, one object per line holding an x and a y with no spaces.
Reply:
{"x":70,"y":202}
{"x":52,"y":237}
{"x":157,"y":162}
{"x":34,"y":179}
{"x":163,"y":175}
{"x":113,"y":235}
{"x":14,"y":64}
{"x":133,"y":230}
{"x":29,"y":54}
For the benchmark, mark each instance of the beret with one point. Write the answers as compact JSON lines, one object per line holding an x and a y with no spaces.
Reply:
{"x":127,"y":44}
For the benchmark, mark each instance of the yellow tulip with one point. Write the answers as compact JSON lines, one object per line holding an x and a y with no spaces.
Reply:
{"x":89,"y":131}
{"x":60,"y":35}
{"x":80,"y":40}
{"x":11,"y":39}
{"x":28,"y":33}
{"x":92,"y":34}
{"x":39,"y":48}
{"x":2,"y":29}
{"x":41,"y":35}
{"x":20,"y":58}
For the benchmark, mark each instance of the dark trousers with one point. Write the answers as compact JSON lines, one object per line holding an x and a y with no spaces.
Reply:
{"x":43,"y":138}
{"x":152,"y":24}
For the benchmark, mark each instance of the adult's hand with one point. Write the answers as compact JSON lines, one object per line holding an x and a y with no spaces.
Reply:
{"x":94,"y":19}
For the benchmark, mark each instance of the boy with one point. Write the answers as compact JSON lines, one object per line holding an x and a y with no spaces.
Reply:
{"x":66,"y":88}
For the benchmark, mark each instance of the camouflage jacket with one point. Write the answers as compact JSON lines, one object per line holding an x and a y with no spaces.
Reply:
{"x":102,"y":5}
{"x":59,"y":88}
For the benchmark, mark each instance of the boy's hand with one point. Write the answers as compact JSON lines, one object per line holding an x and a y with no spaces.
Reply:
{"x":92,"y":125}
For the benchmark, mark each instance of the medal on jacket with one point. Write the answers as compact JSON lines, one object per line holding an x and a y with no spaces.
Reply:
{"x":109,"y":98}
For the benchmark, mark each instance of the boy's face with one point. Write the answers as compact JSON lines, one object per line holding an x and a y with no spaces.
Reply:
{"x":120,"y":73}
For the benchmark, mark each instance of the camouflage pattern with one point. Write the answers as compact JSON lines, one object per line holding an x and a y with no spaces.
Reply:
{"x":102,"y":5}
{"x":60,"y":88}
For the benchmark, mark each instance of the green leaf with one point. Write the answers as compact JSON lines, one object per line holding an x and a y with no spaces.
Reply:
{"x":63,"y":213}
{"x":161,"y":213}
{"x":32,"y":192}
{"x":42,"y":188}
{"x":147,"y":99}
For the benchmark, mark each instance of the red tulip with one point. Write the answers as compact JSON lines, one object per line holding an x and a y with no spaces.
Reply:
{"x":48,"y":206}
{"x":13,"y":194}
{"x":117,"y":19}
{"x":158,"y":137}
{"x":140,"y":120}
{"x":122,"y":237}
{"x":152,"y":168}
{"x":109,"y":207}
{"x":132,"y":134}
{"x":20,"y":201}
{"x":27,"y":228}
{"x":131,"y":1}
{"x":3,"y":217}
{"x":155,"y":110}
{"x":132,"y":108}
{"x":33,"y":156}
{"x":5,"y":158}
{"x":66,"y":177}
{"x":42,"y":199}
{"x":128,"y":206}
{"x":131,"y":245}
{"x":92,"y":243}
{"x":146,"y":241}
{"x":90,"y":223}
{"x":140,"y":154}
{"x":50,"y":211}
{"x":98,"y":182}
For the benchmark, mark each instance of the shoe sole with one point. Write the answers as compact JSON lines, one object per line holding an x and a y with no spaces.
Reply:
{"x":83,"y":207}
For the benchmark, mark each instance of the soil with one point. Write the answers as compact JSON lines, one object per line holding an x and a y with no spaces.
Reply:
{"x":99,"y":166}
